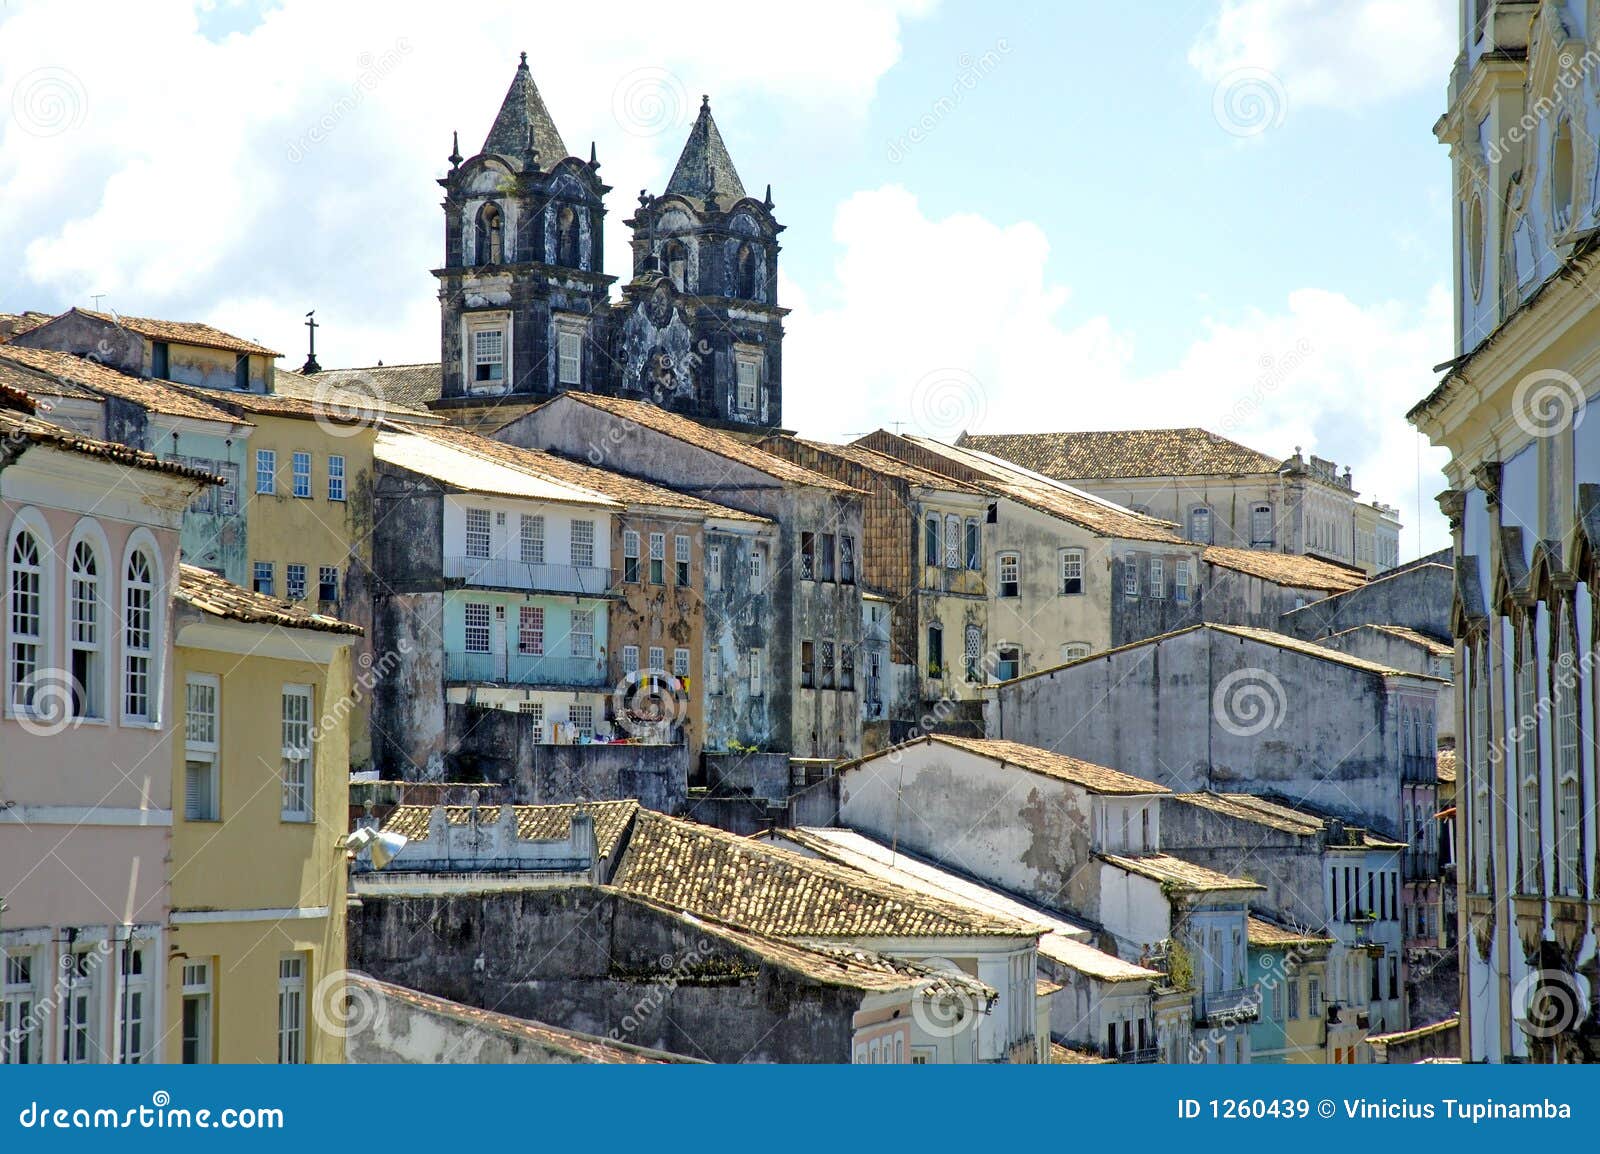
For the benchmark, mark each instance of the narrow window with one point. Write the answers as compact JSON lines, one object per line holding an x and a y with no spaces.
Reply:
{"x":581,"y":719}
{"x":266,"y":471}
{"x":714,"y":567}
{"x":570,"y":355}
{"x":952,"y":543}
{"x":658,"y":558}
{"x":138,"y":639}
{"x":336,"y":478}
{"x":1130,"y":577}
{"x":583,"y":544}
{"x":160,"y":360}
{"x":491,"y":235}
{"x":19,"y":1026}
{"x":1158,"y":577}
{"x":488,"y":355}
{"x":973,"y":549}
{"x":630,"y":659}
{"x":680,"y":560}
{"x":808,"y":557}
{"x":195,"y":1027}
{"x":300,"y":464}
{"x":658,"y":661}
{"x":241,"y":372}
{"x":27,"y":619}
{"x":294,"y":581}
{"x":758,"y":564}
{"x":201,"y":747}
{"x":327,"y":583}
{"x":475,"y":627}
{"x":291,"y":1010}
{"x":1071,"y":571}
{"x":847,"y":668}
{"x":680,"y":663}
{"x":935,"y":651}
{"x":825,"y":665}
{"x":297,"y":784}
{"x":261,"y":578}
{"x":847,"y":560}
{"x":1180,"y":581}
{"x":630,"y":555}
{"x":755,"y":672}
{"x":808,"y":677}
{"x":1009,"y":665}
{"x":972,"y":652}
{"x":477,"y":532}
{"x":582,"y":638}
{"x":1010,"y":574}
{"x":930,"y":540}
{"x":825,"y":555}
{"x":749,"y":383}
{"x":84,"y":637}
{"x":1526,"y":727}
{"x":1261,"y":527}
{"x":1569,"y":814}
{"x":1200,"y":524}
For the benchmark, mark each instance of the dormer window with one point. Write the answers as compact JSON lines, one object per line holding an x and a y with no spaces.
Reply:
{"x":567,"y":237}
{"x":491,"y":235}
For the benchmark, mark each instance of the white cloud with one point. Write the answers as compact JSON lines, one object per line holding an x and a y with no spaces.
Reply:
{"x":1347,"y":55}
{"x":174,"y":169}
{"x":901,"y":339}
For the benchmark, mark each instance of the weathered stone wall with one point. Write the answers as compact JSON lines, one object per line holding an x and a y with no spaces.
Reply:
{"x":497,"y":745}
{"x":1290,"y":866}
{"x":591,"y":960}
{"x":1418,"y":598}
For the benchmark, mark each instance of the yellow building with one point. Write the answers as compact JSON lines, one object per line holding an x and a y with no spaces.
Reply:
{"x":260,"y":784}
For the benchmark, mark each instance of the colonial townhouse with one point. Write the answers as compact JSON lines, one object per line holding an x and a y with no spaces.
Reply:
{"x":101,"y":401}
{"x":497,"y":586}
{"x":804,"y":617}
{"x":91,"y":558}
{"x":730,"y":935}
{"x":687,"y":588}
{"x":922,"y":549}
{"x":1255,"y":587}
{"x":1524,"y":507}
{"x":1084,"y":840}
{"x":1323,"y":877}
{"x":1416,"y":595}
{"x":1067,"y":573}
{"x":260,"y":772}
{"x":183,"y":351}
{"x":1289,"y":973}
{"x":1221,"y":492}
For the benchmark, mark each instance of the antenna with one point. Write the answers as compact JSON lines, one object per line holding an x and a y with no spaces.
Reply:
{"x":97,"y":298}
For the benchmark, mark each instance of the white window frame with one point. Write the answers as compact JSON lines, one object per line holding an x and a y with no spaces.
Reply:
{"x":257,"y":569}
{"x":21,"y":1039}
{"x":581,"y":635}
{"x":630,"y":552}
{"x":292,"y":1009}
{"x":657,"y":660}
{"x":657,"y":574}
{"x":530,"y":539}
{"x":1180,"y":581}
{"x":202,"y":744}
{"x":1130,"y":577}
{"x":472,"y":534}
{"x":267,"y":472}
{"x":1204,"y":512}
{"x":87,"y":618}
{"x":475,"y":625}
{"x":713,"y":567}
{"x":335,"y":478}
{"x":327,"y":575}
{"x":569,"y":353}
{"x":294,"y":576}
{"x":141,"y":648}
{"x":27,"y":650}
{"x":1257,"y":540}
{"x":196,"y":978}
{"x":1012,"y":560}
{"x":755,"y":672}
{"x":583,"y":544}
{"x":298,"y":766}
{"x":78,"y":1011}
{"x":747,"y":381}
{"x":580,"y":716}
{"x":758,"y":562}
{"x":300,"y":478}
{"x":1158,"y":578}
{"x":474,"y":324}
{"x":630,"y":659}
{"x":1072,"y":570}
{"x":680,"y":663}
{"x":135,"y":1001}
{"x":530,"y":630}
{"x":681,"y":550}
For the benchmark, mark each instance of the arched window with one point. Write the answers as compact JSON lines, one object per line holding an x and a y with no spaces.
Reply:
{"x":675,"y":263}
{"x":491,"y":235}
{"x":1561,"y":177}
{"x":567,"y":237}
{"x":1475,"y":239}
{"x":935,"y":651}
{"x":747,"y":272}
{"x":85,"y":632}
{"x":1261,"y":527}
{"x":1200,"y":524}
{"x":139,"y":639}
{"x":952,"y":542}
{"x":26,"y":650}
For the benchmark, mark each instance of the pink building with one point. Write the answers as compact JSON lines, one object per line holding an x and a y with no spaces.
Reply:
{"x":91,"y":543}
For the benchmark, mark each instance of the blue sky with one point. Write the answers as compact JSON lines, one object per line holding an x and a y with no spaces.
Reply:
{"x":1082,"y":237}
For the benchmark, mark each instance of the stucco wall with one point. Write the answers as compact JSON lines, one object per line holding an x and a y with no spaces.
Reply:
{"x":1418,"y":598}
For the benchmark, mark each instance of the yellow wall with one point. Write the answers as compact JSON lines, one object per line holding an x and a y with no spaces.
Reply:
{"x":252,"y":860}
{"x":315,"y":531}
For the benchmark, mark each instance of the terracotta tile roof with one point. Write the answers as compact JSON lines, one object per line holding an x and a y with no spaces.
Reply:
{"x":1300,"y":820}
{"x":882,"y":463}
{"x":351,"y":400}
{"x":1044,"y":987}
{"x":484,"y":419}
{"x":1124,"y":453}
{"x":183,"y":333}
{"x":1434,"y":646}
{"x":1416,"y":1032}
{"x":15,"y":425}
{"x":474,"y":473}
{"x":534,"y":822}
{"x":617,"y":486}
{"x":710,"y":873}
{"x":1061,"y":1055}
{"x":15,"y":324}
{"x":1092,"y":777}
{"x":156,"y":396}
{"x":1037,"y":491}
{"x":649,"y":416}
{"x":218,"y":596}
{"x":411,"y":386}
{"x":1445,"y":765}
{"x":290,"y":405}
{"x":32,"y":382}
{"x":1179,"y":874}
{"x":1321,"y":652}
{"x":1270,"y":936}
{"x":581,"y":1048}
{"x":1290,"y":569}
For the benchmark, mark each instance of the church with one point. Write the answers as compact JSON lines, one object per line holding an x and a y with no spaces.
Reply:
{"x":526,"y":309}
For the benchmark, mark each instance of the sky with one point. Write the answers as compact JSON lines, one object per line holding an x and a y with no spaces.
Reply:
{"x":999,"y":216}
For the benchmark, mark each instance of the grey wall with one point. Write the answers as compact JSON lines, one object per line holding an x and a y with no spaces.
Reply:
{"x":591,"y":960}
{"x":497,"y":745}
{"x":1418,"y":598}
{"x":1289,"y":865}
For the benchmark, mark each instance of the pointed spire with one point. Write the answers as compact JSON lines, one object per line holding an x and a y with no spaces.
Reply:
{"x":455,"y":150}
{"x":705,"y":170}
{"x":524,"y":122}
{"x":594,"y":162}
{"x":767,"y":203}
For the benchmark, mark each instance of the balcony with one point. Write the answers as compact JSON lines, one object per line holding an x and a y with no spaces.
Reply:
{"x":1226,"y":1007}
{"x":504,"y":573}
{"x":516,"y":669}
{"x":1419,"y":768}
{"x":1142,"y":1056}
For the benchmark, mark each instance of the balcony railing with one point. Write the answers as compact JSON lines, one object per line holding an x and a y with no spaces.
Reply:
{"x":1141,"y":1056}
{"x":1418,"y":767}
{"x":504,"y":573}
{"x":519,"y":669}
{"x":1242,"y":1004}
